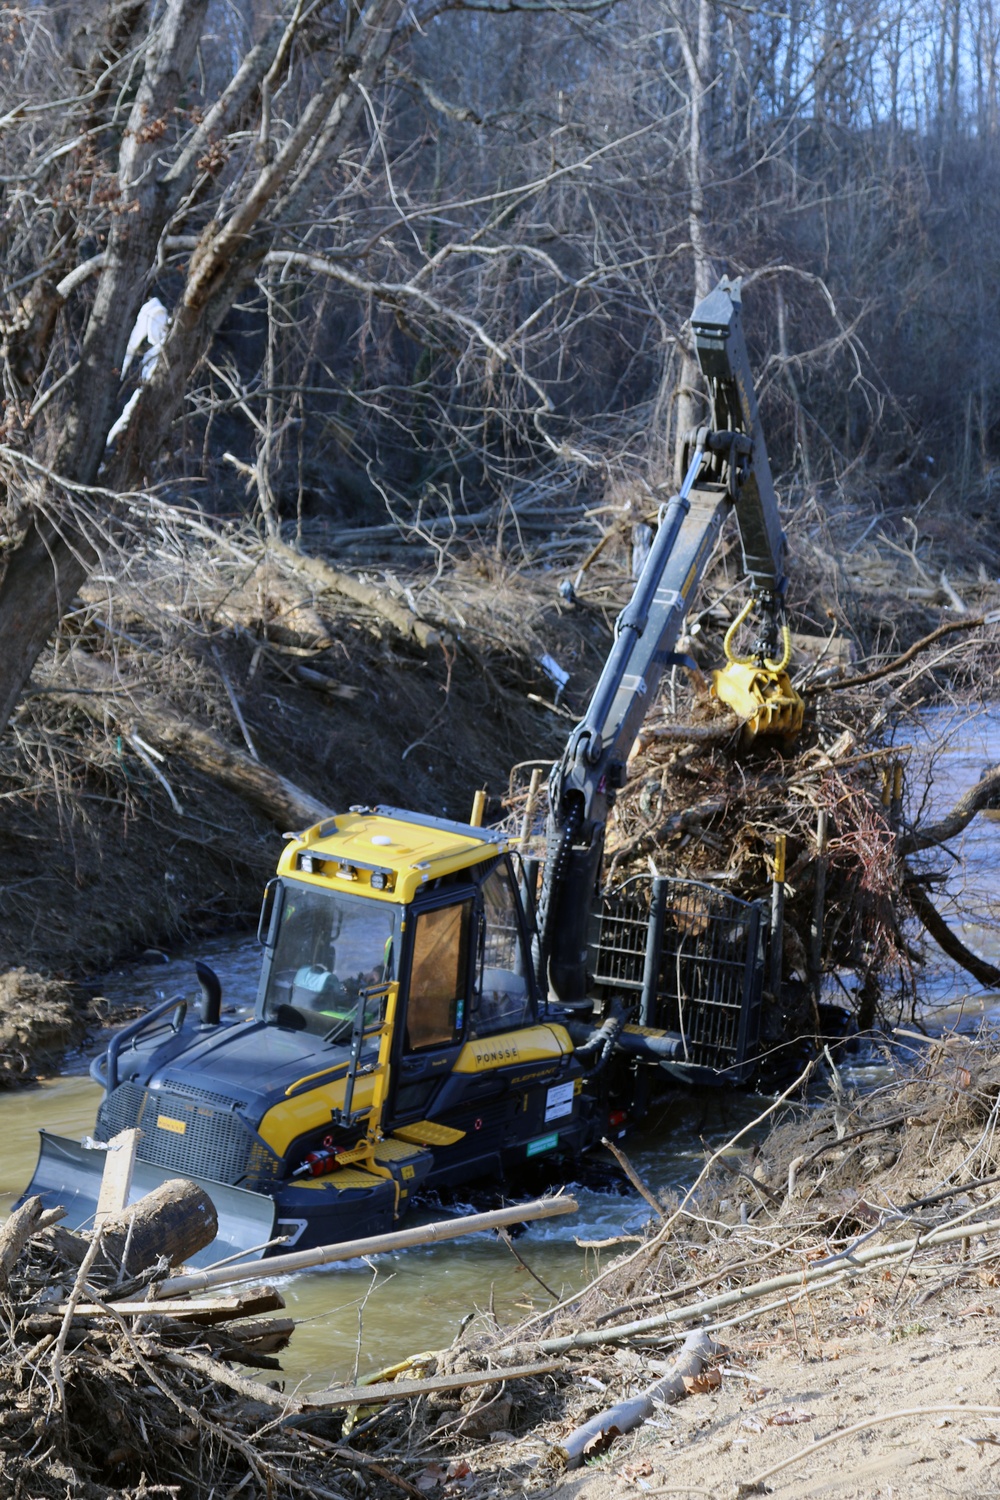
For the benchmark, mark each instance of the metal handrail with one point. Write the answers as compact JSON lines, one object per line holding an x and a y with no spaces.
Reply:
{"x":129,"y":1034}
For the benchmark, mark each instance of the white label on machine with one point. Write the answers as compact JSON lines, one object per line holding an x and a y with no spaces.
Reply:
{"x":559,"y":1102}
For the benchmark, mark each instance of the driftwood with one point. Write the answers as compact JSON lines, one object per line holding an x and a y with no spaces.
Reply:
{"x":599,"y":1432}
{"x":175,"y":1220}
{"x":200,"y":1314}
{"x":847,"y":1264}
{"x":15,"y":1234}
{"x":91,"y":689}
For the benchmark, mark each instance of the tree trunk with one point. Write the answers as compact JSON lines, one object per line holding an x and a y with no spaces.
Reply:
{"x":949,"y":942}
{"x":698,"y":61}
{"x":43,"y":573}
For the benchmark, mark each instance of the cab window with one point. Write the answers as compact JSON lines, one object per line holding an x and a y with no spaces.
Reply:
{"x":502,"y":996}
{"x":332,"y":951}
{"x":439,"y":969}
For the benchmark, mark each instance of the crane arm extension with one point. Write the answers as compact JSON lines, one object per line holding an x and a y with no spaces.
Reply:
{"x":727,"y":466}
{"x":722,"y":354}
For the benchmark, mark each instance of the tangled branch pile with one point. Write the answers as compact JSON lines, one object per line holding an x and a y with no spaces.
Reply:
{"x":100,"y":1404}
{"x":847,"y":796}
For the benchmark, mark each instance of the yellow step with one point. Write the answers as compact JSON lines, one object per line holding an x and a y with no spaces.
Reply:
{"x":427,"y":1133}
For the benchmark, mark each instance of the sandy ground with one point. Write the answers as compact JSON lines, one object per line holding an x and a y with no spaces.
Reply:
{"x":870,"y":1352}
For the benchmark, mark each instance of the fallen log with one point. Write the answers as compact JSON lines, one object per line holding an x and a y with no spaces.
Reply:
{"x":386,"y":608}
{"x":597,"y":1434}
{"x":175,"y":1220}
{"x":91,"y":686}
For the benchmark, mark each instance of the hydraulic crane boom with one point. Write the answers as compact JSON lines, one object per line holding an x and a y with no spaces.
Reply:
{"x":726,"y":467}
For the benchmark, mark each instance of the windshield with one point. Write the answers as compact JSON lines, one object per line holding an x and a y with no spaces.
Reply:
{"x":330,"y":947}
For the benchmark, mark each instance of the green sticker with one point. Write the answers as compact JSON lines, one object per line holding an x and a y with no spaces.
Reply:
{"x":544,"y":1143}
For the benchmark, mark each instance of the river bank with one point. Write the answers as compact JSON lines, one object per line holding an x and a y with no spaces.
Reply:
{"x":153,"y":846}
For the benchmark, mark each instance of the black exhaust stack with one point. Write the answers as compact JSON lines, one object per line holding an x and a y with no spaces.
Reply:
{"x":211,"y":994}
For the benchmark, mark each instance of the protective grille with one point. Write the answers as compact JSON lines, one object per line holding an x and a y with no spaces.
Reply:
{"x":204,"y":1096}
{"x":706,"y":981}
{"x":212,"y":1143}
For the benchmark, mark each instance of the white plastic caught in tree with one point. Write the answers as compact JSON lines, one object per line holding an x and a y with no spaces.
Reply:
{"x":554,"y":672}
{"x":150,"y":329}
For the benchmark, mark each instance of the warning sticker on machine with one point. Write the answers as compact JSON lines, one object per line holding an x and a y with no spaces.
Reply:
{"x":559,"y":1102}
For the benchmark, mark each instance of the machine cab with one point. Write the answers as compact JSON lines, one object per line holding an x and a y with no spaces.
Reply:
{"x":468,"y":977}
{"x":409,"y":929}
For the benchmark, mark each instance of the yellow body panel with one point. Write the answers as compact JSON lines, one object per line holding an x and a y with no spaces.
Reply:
{"x":531,"y":1044}
{"x":346,"y":1177}
{"x":345,"y":850}
{"x":293,"y":1117}
{"x":393,"y":1150}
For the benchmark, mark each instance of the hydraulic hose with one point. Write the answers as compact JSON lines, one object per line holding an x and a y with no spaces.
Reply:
{"x":597,"y":1044}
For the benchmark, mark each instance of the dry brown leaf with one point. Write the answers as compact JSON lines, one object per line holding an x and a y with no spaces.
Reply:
{"x":708,"y":1380}
{"x":636,"y":1471}
{"x":790,"y":1418}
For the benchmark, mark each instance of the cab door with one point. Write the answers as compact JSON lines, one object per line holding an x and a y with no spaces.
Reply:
{"x":435,"y":1005}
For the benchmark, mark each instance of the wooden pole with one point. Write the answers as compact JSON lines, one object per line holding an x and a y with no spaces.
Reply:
{"x":402,"y":1239}
{"x":777,"y":914}
{"x":524,"y":838}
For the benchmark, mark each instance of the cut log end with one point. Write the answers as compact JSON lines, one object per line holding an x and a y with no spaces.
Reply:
{"x":174,"y":1221}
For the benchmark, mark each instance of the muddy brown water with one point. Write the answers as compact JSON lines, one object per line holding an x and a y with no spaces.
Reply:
{"x":368,"y":1315}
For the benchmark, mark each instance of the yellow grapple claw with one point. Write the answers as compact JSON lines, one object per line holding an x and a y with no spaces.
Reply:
{"x":761,"y":696}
